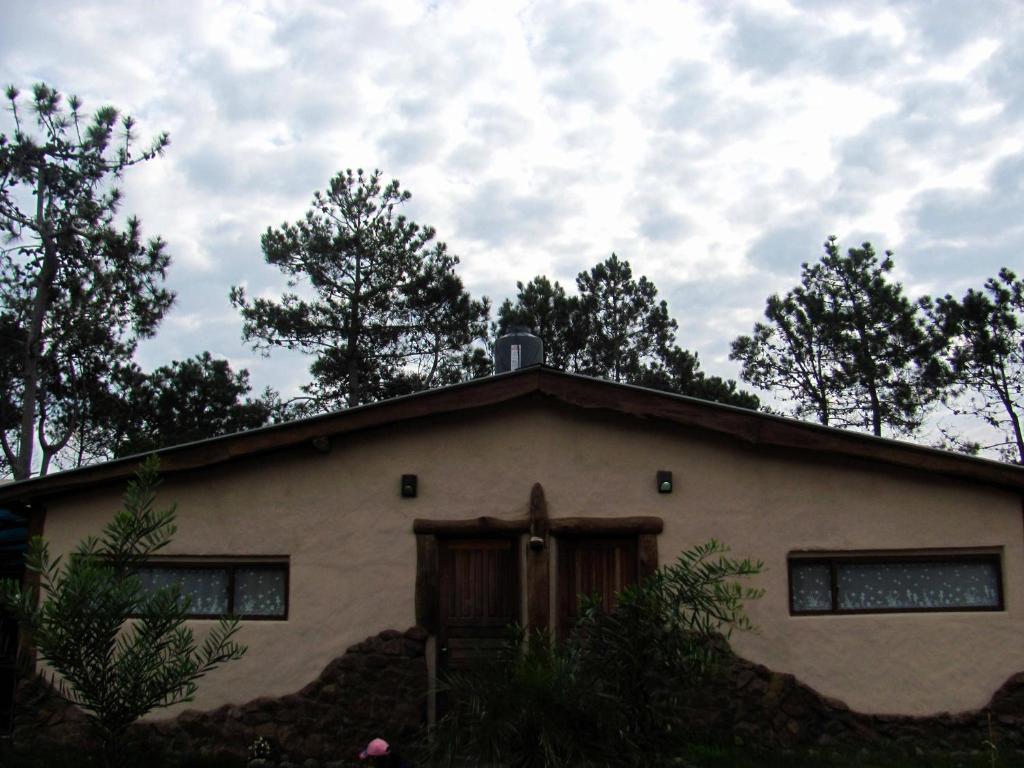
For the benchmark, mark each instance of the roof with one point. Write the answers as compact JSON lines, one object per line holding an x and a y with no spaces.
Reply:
{"x":749,"y":427}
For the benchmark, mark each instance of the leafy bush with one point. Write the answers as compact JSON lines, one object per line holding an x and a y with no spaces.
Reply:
{"x":659,"y":645}
{"x":530,"y":708}
{"x":615,"y":692}
{"x":111,"y":648}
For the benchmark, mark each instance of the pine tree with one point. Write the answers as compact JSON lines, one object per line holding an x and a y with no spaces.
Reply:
{"x":387,"y":315}
{"x":845,"y":345}
{"x":984,"y":356}
{"x":77,"y":290}
{"x":547,"y":311}
{"x":614,"y":328}
{"x":791,"y":354}
{"x":191,"y":400}
{"x":680,"y":373}
{"x":628,"y":327}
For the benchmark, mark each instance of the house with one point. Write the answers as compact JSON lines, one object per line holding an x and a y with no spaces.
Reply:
{"x":893,"y":573}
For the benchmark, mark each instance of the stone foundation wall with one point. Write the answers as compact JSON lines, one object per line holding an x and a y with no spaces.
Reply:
{"x":756,"y":706}
{"x":378,"y":688}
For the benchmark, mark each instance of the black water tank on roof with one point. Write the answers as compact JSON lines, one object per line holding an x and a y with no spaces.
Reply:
{"x":518,"y":348}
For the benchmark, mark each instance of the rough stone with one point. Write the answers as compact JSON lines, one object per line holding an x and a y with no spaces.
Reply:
{"x":774,"y":710}
{"x":417,"y":634}
{"x":377,"y":687}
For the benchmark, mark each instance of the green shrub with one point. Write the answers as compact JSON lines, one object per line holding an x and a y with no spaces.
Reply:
{"x":530,"y":708}
{"x":614,"y":693}
{"x":659,"y":645}
{"x":112,"y":649}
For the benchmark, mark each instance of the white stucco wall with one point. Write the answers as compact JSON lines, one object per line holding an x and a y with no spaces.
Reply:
{"x":353,"y":554}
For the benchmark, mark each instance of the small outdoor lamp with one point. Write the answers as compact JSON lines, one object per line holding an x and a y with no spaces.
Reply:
{"x":664,"y":481}
{"x":408,"y":486}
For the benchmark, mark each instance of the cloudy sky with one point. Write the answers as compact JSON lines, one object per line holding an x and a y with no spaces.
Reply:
{"x":713,"y":145}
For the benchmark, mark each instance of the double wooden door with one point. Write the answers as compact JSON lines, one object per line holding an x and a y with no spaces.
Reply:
{"x":480,"y":589}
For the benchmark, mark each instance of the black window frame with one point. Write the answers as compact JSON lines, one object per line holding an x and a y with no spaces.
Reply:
{"x":893,"y":558}
{"x":231,"y":566}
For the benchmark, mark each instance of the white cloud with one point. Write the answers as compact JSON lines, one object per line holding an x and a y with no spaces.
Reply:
{"x":713,"y":145}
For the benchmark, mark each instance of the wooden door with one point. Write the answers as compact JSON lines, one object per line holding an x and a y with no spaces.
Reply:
{"x":593,"y":567}
{"x":479,"y":582}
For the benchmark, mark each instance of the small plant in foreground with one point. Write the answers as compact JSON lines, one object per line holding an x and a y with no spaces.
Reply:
{"x":114,"y":650}
{"x":990,"y":744}
{"x":259,"y":749}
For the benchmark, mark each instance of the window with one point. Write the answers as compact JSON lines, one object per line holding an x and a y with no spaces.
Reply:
{"x":250,"y":590}
{"x":889,"y":583}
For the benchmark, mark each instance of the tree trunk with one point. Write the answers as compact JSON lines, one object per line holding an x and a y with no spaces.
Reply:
{"x":111,"y":750}
{"x":51,"y":450}
{"x":876,"y":410}
{"x":354,"y":329}
{"x":823,"y":410}
{"x":1015,"y":421}
{"x":1002,"y":388}
{"x":22,"y":469}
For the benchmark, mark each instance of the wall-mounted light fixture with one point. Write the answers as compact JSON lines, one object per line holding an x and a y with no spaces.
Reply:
{"x":321,"y":444}
{"x":408,"y":486}
{"x":664,"y":481}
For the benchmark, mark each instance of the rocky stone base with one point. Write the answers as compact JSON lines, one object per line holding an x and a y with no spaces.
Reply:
{"x":378,"y":688}
{"x":754,"y":706}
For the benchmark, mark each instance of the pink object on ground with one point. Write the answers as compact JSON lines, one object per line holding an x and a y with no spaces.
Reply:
{"x":376,"y":748}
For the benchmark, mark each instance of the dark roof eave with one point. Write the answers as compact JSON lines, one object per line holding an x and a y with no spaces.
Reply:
{"x":751,"y":427}
{"x":217,"y":450}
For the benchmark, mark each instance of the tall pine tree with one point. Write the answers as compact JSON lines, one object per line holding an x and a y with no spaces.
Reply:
{"x":845,"y":345}
{"x":984,"y":356}
{"x":386,"y":313}
{"x":792,"y":355}
{"x":78,"y":289}
{"x":614,"y":328}
{"x":628,"y":328}
{"x":191,"y":400}
{"x":554,"y":316}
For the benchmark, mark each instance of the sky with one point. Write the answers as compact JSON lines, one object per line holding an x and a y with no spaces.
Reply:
{"x":712,"y":145}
